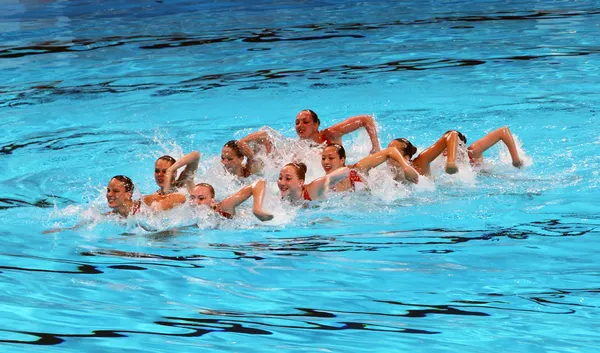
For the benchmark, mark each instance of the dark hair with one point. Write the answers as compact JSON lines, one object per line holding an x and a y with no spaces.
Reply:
{"x":314,"y":116}
{"x":462,"y":137}
{"x":166,"y":158}
{"x":210,"y":188}
{"x":409,"y":150}
{"x":233,"y":144}
{"x":126,"y":182}
{"x":339,"y":148}
{"x":300,"y":169}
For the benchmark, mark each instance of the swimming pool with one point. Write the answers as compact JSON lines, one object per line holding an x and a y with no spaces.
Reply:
{"x":504,"y":260}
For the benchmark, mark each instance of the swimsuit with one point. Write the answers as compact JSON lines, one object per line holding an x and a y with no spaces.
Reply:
{"x":356,"y":181}
{"x":306,"y":196}
{"x":224,"y":214}
{"x":136,"y":207}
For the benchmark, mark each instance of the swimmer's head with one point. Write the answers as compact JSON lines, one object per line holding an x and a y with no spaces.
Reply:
{"x":333,"y":157}
{"x":119,"y":191}
{"x":307,"y":124}
{"x":405,"y":147}
{"x":232,"y":158}
{"x":160,"y":170}
{"x":291,"y":179}
{"x":203,"y":194}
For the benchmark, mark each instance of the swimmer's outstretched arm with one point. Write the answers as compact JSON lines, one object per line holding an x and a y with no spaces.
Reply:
{"x":190,"y":161}
{"x":372,"y":161}
{"x":335,"y":132}
{"x":502,"y":134}
{"x":257,"y":191}
{"x":318,"y":187}
{"x":448,"y":142}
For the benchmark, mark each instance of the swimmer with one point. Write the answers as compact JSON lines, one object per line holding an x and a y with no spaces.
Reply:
{"x":307,"y":128}
{"x":165,"y":172}
{"x":292,"y":187}
{"x":476,"y":149}
{"x":204,"y":194}
{"x":333,"y":157}
{"x":234,"y":152}
{"x":119,"y":198}
{"x":448,"y":142}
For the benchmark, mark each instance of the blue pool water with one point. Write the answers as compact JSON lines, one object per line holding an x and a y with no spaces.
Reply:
{"x":501,"y":260}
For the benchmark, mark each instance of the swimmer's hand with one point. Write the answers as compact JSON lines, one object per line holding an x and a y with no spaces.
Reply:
{"x":375,"y":149}
{"x":451,"y":168}
{"x":518,"y":164}
{"x":52,"y":230}
{"x":262,"y":215}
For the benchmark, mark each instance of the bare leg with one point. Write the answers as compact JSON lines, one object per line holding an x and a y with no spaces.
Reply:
{"x":483,"y":144}
{"x":448,"y":142}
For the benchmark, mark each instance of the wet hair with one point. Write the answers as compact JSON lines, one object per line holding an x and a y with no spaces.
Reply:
{"x":340,"y":149}
{"x":314,"y":116}
{"x":210,"y":188}
{"x":166,"y":158}
{"x":409,"y":150}
{"x":462,"y":137}
{"x":300,"y":170}
{"x":126,"y":182}
{"x":233,"y":144}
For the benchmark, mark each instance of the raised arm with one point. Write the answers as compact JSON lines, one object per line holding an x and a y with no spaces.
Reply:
{"x":190,"y":161}
{"x":335,"y":132}
{"x":502,"y":134}
{"x":257,"y":191}
{"x":448,"y":142}
{"x":260,"y":137}
{"x":318,"y":187}
{"x":372,"y":161}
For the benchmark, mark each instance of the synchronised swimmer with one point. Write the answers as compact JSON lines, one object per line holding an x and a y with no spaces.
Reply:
{"x":239,"y":158}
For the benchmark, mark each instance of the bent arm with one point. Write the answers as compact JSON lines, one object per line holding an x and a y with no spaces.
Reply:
{"x":502,"y":134}
{"x":164,"y":202}
{"x":257,"y":191}
{"x":448,"y":142}
{"x":335,"y":132}
{"x":318,"y":187}
{"x":372,"y":161}
{"x":260,"y":137}
{"x":190,"y":161}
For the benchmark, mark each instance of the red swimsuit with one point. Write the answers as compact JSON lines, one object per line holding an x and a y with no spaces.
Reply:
{"x":306,"y":196}
{"x":224,"y":214}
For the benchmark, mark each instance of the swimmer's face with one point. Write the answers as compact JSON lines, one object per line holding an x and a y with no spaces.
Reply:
{"x":160,"y":170}
{"x":116,"y":195}
{"x":231,"y":161}
{"x":289,"y":182}
{"x":201,"y":195}
{"x":306,"y":127}
{"x":330,"y":159}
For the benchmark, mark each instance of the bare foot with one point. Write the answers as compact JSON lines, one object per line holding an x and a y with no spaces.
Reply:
{"x":262,"y":215}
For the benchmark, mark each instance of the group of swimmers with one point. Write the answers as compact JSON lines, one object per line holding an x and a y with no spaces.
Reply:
{"x":238,"y":158}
